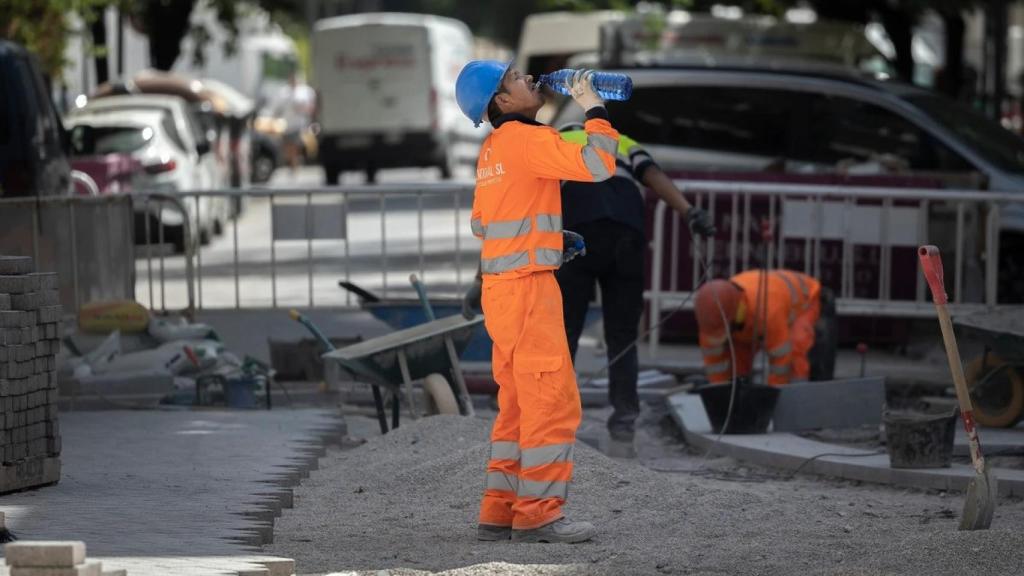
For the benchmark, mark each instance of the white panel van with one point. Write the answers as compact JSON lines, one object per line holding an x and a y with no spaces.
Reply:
{"x":386,"y":90}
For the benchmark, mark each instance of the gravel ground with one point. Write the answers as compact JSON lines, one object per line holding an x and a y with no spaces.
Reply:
{"x":406,"y":503}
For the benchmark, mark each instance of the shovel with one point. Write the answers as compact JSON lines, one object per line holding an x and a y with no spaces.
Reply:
{"x":981,"y":492}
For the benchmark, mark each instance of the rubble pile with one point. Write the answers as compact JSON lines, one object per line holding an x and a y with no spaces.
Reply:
{"x":30,"y":316}
{"x":119,"y":343}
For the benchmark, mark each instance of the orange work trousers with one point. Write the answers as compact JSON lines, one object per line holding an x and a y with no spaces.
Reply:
{"x":539,"y":409}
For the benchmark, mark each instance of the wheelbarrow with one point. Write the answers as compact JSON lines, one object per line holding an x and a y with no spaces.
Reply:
{"x":395,"y":360}
{"x":402,"y":313}
{"x":995,"y":377}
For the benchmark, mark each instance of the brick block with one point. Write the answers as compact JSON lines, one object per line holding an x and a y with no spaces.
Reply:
{"x":18,"y":284}
{"x":12,"y":370}
{"x":16,"y":319}
{"x":53,"y":446}
{"x":44,"y":554}
{"x":52,"y":396}
{"x":278,"y":566}
{"x":51,"y":331}
{"x":15,"y":265}
{"x":51,"y":412}
{"x":47,"y":280}
{"x":24,"y":352}
{"x":5,"y":301}
{"x":49,"y":314}
{"x":52,"y":428}
{"x":34,"y":301}
{"x":10,"y":336}
{"x":91,"y":568}
{"x":30,"y":334}
{"x":51,"y":380}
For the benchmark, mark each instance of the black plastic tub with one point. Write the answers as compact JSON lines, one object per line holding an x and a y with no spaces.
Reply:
{"x":751,"y":412}
{"x":918,"y":439}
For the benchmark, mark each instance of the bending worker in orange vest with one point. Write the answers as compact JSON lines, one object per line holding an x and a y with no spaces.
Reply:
{"x":784,"y":320}
{"x":517,"y":212}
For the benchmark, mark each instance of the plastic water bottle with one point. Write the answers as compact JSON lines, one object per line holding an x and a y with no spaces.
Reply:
{"x":608,"y":85}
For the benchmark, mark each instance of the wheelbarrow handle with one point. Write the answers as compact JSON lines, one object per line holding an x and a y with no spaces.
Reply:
{"x":421,"y":291}
{"x":301,"y":319}
{"x":931,"y":265}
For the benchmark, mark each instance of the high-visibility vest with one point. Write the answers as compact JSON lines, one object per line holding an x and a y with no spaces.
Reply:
{"x":517,"y":206}
{"x":789,"y":295}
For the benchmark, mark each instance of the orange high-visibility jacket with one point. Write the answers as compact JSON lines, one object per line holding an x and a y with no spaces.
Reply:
{"x":787,"y":328}
{"x":517,"y":205}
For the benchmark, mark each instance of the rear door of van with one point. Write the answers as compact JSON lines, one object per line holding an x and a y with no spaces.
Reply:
{"x":374,"y":79}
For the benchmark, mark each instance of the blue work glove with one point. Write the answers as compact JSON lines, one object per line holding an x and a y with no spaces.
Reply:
{"x":572,"y":245}
{"x":699,"y":222}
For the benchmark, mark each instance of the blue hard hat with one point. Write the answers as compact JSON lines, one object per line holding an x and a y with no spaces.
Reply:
{"x":477,"y":84}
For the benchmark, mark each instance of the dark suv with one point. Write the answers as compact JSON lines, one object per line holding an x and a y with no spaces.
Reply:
{"x":32,"y":157}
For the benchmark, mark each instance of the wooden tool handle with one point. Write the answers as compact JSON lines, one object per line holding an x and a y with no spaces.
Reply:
{"x":931,"y":265}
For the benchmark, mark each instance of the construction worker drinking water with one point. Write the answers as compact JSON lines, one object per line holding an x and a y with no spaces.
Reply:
{"x":517,"y":213}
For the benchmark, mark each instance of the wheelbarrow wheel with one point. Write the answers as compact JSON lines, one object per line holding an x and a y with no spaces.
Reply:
{"x":997,"y":391}
{"x":442,"y":399}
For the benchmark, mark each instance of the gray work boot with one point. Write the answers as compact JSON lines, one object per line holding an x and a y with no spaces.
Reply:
{"x":489,"y":533}
{"x":562,"y":530}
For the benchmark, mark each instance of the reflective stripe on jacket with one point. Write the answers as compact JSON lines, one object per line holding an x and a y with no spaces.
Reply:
{"x":517,"y":207}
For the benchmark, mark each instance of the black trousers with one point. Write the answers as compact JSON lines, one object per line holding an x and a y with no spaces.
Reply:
{"x":615,"y":263}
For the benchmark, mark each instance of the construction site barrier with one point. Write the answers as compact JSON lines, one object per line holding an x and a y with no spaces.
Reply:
{"x":860,"y":241}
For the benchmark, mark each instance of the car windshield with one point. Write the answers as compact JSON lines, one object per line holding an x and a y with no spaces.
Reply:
{"x":96,"y":140}
{"x":991,"y":141}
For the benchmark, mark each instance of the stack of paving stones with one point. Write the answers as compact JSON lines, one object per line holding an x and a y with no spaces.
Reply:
{"x":53,"y":559}
{"x":30,"y":316}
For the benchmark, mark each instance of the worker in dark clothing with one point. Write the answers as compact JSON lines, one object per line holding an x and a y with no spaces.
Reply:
{"x":610,"y":216}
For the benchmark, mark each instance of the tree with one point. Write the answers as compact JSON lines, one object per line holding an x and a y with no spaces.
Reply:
{"x":38,"y":26}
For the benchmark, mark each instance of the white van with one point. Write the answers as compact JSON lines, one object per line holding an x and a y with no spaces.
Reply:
{"x":386,"y":90}
{"x":549,"y":39}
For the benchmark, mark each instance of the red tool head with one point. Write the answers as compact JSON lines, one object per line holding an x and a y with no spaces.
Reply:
{"x":931,"y":265}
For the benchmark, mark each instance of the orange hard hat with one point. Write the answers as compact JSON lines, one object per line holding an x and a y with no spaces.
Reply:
{"x":715,"y":299}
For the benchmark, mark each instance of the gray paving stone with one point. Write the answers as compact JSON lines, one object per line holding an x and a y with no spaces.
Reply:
{"x":16,"y":284}
{"x":16,"y":319}
{"x":90,"y":568}
{"x":15,"y":264}
{"x":47,"y":280}
{"x":53,"y":554}
{"x":165,"y":492}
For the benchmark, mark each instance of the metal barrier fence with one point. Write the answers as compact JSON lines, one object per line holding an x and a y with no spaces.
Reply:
{"x":859,"y":241}
{"x":87,"y":240}
{"x":290,"y":248}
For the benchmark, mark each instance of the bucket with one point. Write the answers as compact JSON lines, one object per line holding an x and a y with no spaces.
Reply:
{"x":919,"y":440}
{"x":751,"y":412}
{"x":241,"y":392}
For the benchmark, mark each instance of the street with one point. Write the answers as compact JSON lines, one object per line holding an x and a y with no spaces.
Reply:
{"x":287,"y":273}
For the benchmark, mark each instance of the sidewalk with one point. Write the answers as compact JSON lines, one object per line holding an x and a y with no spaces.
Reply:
{"x":183,"y":493}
